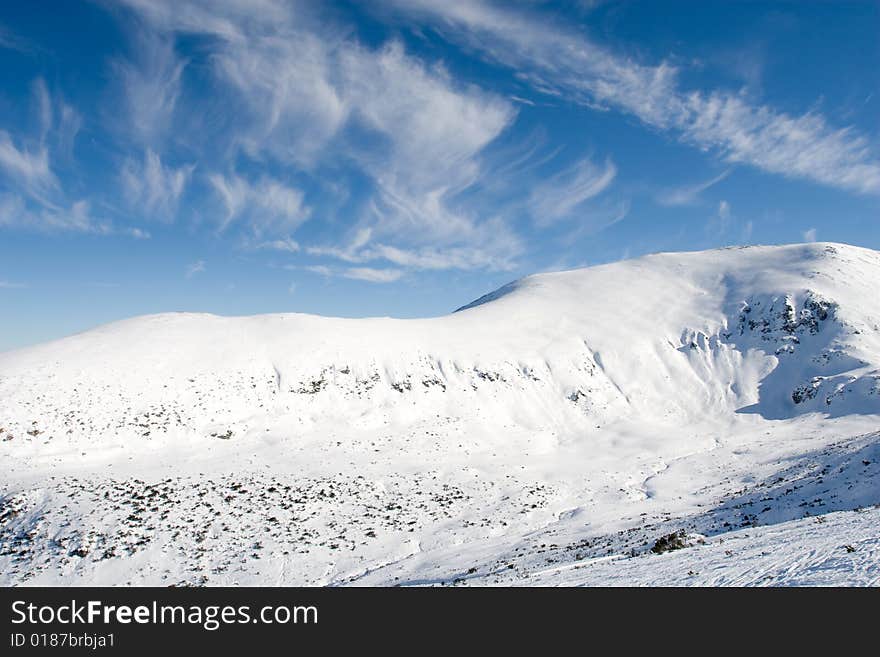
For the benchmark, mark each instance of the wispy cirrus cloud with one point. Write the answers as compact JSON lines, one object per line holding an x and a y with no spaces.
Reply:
{"x":362,"y":249}
{"x":594,"y":220}
{"x":688,"y":194}
{"x":27,"y":161}
{"x":285,"y":244}
{"x":558,"y":196}
{"x":198,"y":267}
{"x":12,"y":41}
{"x":726,"y":228}
{"x":28,"y":166}
{"x":430,"y":258}
{"x":44,"y":106}
{"x":154,"y":188}
{"x":63,"y":217}
{"x":321,"y":270}
{"x":719,"y":223}
{"x":372,"y":275}
{"x":349,"y":252}
{"x":35,"y":199}
{"x":558,"y":60}
{"x":300,"y":87}
{"x":150,"y":85}
{"x":270,"y":206}
{"x":367,"y":274}
{"x":435,"y":130}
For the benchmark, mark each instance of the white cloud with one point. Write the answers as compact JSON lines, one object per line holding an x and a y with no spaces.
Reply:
{"x":44,"y":106}
{"x":373,"y":275}
{"x":58,"y":122}
{"x":283,"y":244}
{"x":137,"y":233}
{"x":560,"y":195}
{"x":719,"y":224}
{"x":800,"y":147}
{"x":154,"y":188}
{"x":593,"y":220}
{"x":435,"y":131}
{"x":28,"y":165}
{"x":369,"y":274}
{"x":432,"y":258}
{"x":270,"y":206}
{"x":810,"y":235}
{"x":557,"y":60}
{"x":12,"y":41}
{"x":498,"y":257}
{"x":290,"y":102}
{"x":323,"y":270}
{"x":69,"y":125}
{"x":689,"y":194}
{"x":233,"y":192}
{"x":280,"y":63}
{"x":7,"y":285}
{"x":350,"y":252}
{"x":76,"y":217}
{"x":224,"y":19}
{"x":151,"y":85}
{"x":39,"y":201}
{"x":50,"y":217}
{"x":434,"y":126}
{"x":195,"y":268}
{"x":301,"y":88}
{"x":30,"y":168}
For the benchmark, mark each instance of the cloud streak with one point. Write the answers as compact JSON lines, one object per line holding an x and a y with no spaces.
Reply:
{"x":37,"y":199}
{"x":285,"y":244}
{"x":366,"y":274}
{"x":12,"y":41}
{"x":154,"y":187}
{"x":271,"y":206}
{"x":560,"y":195}
{"x":29,"y":167}
{"x":197,"y":267}
{"x":557,"y":60}
{"x":689,"y":194}
{"x":300,"y":89}
{"x":151,"y":85}
{"x":362,"y":250}
{"x":371,"y":275}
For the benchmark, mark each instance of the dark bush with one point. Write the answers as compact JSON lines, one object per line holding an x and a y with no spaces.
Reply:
{"x":674,"y":541}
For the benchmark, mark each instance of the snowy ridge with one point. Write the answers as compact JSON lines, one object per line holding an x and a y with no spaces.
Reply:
{"x":578,"y":404}
{"x":736,"y":329}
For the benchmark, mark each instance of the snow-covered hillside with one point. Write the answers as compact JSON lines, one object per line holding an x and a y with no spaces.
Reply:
{"x":566,"y":417}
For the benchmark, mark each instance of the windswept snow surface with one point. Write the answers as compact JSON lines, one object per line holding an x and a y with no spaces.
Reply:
{"x":548,"y":433}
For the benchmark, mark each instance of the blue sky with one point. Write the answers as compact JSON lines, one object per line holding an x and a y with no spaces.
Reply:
{"x":403,"y":158}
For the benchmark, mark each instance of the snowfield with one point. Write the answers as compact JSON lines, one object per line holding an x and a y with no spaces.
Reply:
{"x":547,"y":434}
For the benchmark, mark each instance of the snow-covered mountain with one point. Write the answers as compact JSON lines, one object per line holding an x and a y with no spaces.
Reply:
{"x":563,"y":421}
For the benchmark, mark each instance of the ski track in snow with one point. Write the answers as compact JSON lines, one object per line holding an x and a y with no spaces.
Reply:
{"x":547,"y":434}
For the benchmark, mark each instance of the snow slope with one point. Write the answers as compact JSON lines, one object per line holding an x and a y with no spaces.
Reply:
{"x":594,"y":408}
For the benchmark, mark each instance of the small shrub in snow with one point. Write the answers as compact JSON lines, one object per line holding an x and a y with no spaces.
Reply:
{"x":673,"y":541}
